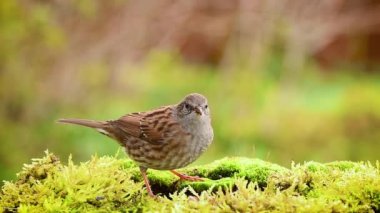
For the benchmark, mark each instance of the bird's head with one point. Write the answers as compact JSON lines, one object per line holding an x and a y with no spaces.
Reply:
{"x":193,"y":107}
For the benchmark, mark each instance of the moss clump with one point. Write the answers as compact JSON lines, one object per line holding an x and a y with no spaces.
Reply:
{"x":232,"y":184}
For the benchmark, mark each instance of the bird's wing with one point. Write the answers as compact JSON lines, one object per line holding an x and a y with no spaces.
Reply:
{"x":149,"y":126}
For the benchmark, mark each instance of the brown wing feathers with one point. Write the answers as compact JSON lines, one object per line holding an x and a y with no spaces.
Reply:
{"x":149,"y":126}
{"x":129,"y":124}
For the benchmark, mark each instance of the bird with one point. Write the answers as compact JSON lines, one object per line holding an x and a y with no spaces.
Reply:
{"x":166,"y":138}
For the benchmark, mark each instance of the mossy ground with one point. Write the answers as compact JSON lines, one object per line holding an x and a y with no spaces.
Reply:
{"x":106,"y":184}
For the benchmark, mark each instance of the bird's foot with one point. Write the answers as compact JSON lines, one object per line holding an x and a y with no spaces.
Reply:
{"x":186,"y":177}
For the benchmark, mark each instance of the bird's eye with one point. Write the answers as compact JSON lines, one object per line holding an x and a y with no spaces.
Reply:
{"x":187,"y":106}
{"x":206,"y":106}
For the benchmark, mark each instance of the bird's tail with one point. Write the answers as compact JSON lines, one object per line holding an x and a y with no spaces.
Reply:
{"x":98,"y":125}
{"x":104,"y":127}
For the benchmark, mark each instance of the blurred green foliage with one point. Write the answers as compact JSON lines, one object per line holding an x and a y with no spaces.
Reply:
{"x":320,"y":118}
{"x":258,"y":111}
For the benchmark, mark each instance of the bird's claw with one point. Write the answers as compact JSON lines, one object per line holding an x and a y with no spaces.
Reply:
{"x":187,"y":177}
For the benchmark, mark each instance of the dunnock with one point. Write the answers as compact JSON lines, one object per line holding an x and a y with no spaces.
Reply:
{"x":166,"y":138}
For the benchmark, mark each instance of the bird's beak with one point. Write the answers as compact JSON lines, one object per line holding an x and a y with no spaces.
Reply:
{"x":198,"y":110}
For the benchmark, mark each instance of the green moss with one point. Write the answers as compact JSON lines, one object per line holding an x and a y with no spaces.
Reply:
{"x":225,"y":171}
{"x":314,"y":167}
{"x":346,"y":165}
{"x":106,"y":184}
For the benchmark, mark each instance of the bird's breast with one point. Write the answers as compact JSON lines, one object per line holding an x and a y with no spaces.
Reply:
{"x":179,"y":148}
{"x":197,"y":143}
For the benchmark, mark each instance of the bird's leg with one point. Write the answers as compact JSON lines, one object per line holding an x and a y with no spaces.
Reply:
{"x":146,"y":181}
{"x":186,"y":177}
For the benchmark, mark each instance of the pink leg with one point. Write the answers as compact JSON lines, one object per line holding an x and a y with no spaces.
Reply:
{"x":146,"y":181}
{"x":186,"y":177}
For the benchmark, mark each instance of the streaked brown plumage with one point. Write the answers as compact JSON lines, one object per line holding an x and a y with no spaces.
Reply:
{"x":167,"y":138}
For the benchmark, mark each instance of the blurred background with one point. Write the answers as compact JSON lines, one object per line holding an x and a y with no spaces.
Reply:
{"x":286,"y":80}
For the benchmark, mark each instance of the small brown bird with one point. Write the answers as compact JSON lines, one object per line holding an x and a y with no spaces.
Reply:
{"x":166,"y":138}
